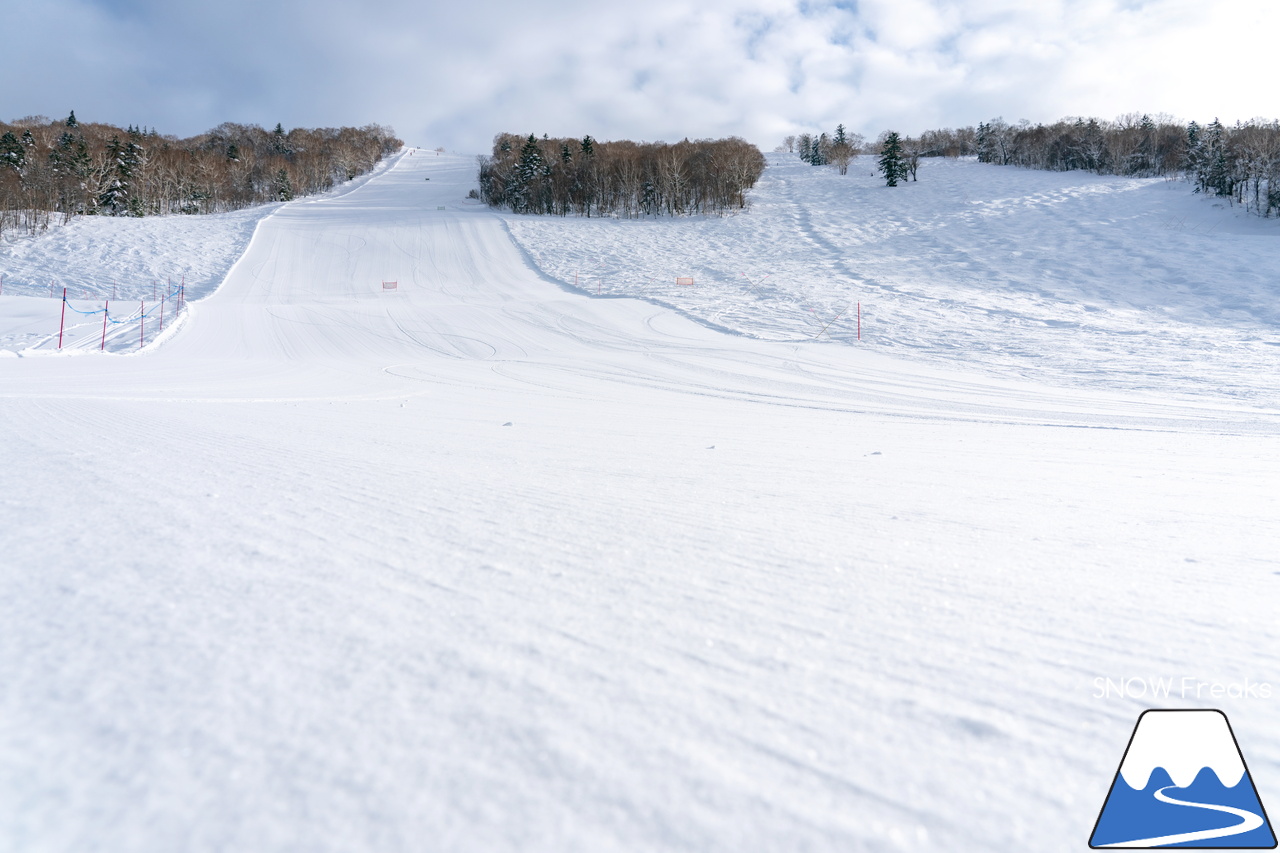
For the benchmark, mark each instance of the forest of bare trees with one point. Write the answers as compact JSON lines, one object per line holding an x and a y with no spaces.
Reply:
{"x":1240,"y":162}
{"x":69,"y":168}
{"x":628,"y":179}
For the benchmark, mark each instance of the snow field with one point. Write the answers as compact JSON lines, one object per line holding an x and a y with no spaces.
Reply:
{"x":1070,"y":277}
{"x":485,"y":564}
{"x":124,"y":260}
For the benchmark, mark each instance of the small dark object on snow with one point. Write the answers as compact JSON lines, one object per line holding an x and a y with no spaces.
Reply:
{"x":508,"y":423}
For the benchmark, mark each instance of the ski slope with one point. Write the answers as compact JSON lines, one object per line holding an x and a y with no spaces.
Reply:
{"x":488,"y":564}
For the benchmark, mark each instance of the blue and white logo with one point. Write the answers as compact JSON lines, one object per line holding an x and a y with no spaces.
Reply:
{"x":1183,"y":783}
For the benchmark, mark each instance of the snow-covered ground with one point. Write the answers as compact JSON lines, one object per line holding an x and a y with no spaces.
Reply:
{"x":485,"y":563}
{"x":1075,"y":278}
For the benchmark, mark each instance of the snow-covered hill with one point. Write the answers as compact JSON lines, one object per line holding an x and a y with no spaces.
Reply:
{"x":1074,"y":278}
{"x":485,"y":563}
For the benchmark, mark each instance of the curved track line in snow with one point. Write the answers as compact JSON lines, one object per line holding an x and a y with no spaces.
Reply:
{"x":1248,"y":822}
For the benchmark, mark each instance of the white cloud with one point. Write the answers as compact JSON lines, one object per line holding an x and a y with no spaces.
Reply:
{"x":455,"y":74}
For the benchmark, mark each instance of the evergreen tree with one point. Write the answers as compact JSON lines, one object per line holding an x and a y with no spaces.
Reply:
{"x":892,"y":165}
{"x":840,"y":138}
{"x":71,"y":165}
{"x":114,"y":196}
{"x":1192,"y":159}
{"x":280,"y":142}
{"x":1214,"y":173}
{"x":1095,"y":147}
{"x":820,"y":147}
{"x":530,"y":168}
{"x":528,"y":178}
{"x":71,"y":120}
{"x":805,"y":145}
{"x":126,"y":156}
{"x":12,"y":154}
{"x":588,"y":146}
{"x":1142,"y":162}
{"x":283,"y":186}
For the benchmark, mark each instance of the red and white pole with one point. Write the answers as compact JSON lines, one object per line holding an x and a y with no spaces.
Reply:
{"x":63,"y":322}
{"x":106,"y":309}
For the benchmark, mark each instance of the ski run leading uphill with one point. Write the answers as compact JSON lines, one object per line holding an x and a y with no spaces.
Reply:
{"x":490,"y":562}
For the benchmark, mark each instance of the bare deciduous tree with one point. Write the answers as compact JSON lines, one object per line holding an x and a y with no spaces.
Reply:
{"x":73,"y":167}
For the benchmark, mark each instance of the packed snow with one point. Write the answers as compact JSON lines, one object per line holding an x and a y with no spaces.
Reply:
{"x":496,"y":562}
{"x":1077,"y":278}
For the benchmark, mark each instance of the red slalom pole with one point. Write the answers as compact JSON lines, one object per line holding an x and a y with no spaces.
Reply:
{"x":106,"y":308}
{"x":63,"y":322}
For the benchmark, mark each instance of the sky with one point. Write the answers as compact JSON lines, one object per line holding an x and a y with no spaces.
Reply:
{"x":455,"y":74}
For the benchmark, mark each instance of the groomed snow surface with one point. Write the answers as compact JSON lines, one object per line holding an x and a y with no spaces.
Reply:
{"x":489,"y":563}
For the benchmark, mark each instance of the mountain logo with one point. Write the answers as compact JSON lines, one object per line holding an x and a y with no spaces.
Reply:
{"x":1183,"y":783}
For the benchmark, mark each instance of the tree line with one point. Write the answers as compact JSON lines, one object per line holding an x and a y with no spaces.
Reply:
{"x":1240,"y":162}
{"x":587,"y":177}
{"x":71,"y":168}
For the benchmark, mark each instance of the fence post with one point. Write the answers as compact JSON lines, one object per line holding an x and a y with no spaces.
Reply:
{"x":63,"y":322}
{"x":162,"y":313}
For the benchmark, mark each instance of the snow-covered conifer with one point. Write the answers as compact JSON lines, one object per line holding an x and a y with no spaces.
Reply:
{"x":892,"y":165}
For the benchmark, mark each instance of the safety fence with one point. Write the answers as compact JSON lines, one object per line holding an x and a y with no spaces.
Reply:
{"x":171,"y":299}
